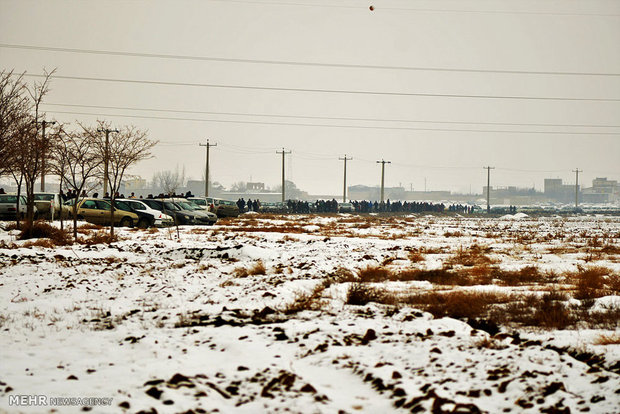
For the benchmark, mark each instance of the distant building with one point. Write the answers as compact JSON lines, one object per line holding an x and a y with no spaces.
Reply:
{"x":255,"y":186}
{"x":134,"y":184}
{"x":602,"y":191}
{"x":555,"y":190}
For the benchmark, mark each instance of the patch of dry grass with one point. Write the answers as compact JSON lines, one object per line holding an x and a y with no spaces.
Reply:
{"x":40,"y":230}
{"x":257,"y":268}
{"x":474,"y":255}
{"x":608,"y":339}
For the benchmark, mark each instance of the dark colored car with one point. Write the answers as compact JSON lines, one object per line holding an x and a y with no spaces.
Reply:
{"x":168,"y":207}
{"x":202,"y":216}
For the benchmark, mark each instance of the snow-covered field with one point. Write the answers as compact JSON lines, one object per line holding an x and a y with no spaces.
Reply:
{"x":255,"y":315}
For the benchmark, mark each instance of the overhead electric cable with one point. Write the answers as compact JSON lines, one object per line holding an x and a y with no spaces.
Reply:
{"x":335,"y":126}
{"x":300,"y":63}
{"x":341,"y":91}
{"x":418,"y":9}
{"x":332,"y":118}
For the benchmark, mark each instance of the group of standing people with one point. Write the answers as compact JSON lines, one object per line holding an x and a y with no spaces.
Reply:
{"x":251,"y":205}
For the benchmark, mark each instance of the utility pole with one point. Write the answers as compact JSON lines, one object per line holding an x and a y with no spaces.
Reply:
{"x":106,"y":156}
{"x":488,"y":187}
{"x":43,"y":155}
{"x":577,"y":171}
{"x":207,"y":166}
{"x":283,"y":152}
{"x":383,"y":162}
{"x":344,"y":191}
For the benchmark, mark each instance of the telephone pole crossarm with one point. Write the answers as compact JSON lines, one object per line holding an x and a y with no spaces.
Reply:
{"x":208,"y":145}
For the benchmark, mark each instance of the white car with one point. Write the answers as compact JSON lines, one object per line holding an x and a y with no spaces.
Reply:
{"x":48,"y":205}
{"x":8,"y":206}
{"x":159,"y":219}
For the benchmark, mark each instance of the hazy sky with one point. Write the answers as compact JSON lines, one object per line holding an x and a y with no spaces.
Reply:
{"x":442,"y":125}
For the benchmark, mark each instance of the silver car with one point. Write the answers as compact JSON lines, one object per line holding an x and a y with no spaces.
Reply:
{"x":8,"y":206}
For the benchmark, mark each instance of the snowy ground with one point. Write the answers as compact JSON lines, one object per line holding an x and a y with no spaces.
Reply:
{"x":166,"y":324}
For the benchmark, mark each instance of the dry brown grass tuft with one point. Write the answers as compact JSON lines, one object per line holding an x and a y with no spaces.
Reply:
{"x":457,"y":304}
{"x":371,"y":274}
{"x":436,"y":276}
{"x":524,"y":276}
{"x":415,"y":257}
{"x":590,"y":282}
{"x":257,"y":268}
{"x":91,"y":226}
{"x":475,"y":255}
{"x":40,"y":229}
{"x":608,"y":339}
{"x":99,"y":237}
{"x":361,"y":294}
{"x":307,"y":300}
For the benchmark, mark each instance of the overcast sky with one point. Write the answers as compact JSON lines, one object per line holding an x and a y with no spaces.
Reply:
{"x":362,"y":67}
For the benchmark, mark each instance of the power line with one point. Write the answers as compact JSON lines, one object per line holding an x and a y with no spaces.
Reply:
{"x":337,"y":126}
{"x":281,"y":3}
{"x":310,"y":90}
{"x":331,"y":118}
{"x":300,"y":63}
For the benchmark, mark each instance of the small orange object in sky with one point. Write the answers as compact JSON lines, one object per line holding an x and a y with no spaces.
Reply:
{"x":372,"y":8}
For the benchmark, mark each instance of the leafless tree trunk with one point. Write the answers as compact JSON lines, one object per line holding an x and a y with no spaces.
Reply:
{"x":77,"y":160}
{"x":124,"y":149}
{"x":31,"y":147}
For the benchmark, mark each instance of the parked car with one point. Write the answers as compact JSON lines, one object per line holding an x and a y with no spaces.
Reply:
{"x":179,"y":216}
{"x":154,"y":218}
{"x":144,"y":219}
{"x":222,"y":208}
{"x":202,"y":216}
{"x":346,"y":208}
{"x":49,"y":205}
{"x":278,"y":207}
{"x":8,"y":206}
{"x":97,"y":211}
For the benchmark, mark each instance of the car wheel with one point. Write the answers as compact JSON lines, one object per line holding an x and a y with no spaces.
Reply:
{"x":126,"y":222}
{"x":80,"y":217}
{"x":143,"y":223}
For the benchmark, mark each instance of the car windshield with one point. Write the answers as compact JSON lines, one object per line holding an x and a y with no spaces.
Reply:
{"x":199,"y":201}
{"x":122,"y":205}
{"x":171,"y":206}
{"x":136,"y":205}
{"x":187,"y":206}
{"x":9,"y":199}
{"x":46,"y":197}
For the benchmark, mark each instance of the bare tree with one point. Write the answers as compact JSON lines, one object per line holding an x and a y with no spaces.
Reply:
{"x":239,"y":187}
{"x":13,"y":115}
{"x":31,"y":147}
{"x":77,"y":161}
{"x":14,"y":120}
{"x":124,"y":149}
{"x":169,"y":181}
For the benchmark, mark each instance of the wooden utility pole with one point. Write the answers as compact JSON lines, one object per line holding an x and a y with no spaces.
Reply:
{"x":207,"y":166}
{"x":577,"y":171}
{"x":383,"y":162}
{"x":43,"y":154}
{"x":106,"y":157}
{"x":283,"y":152}
{"x":344,"y":190}
{"x":489,"y":187}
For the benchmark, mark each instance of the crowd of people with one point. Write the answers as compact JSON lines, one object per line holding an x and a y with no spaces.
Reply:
{"x":250,"y":205}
